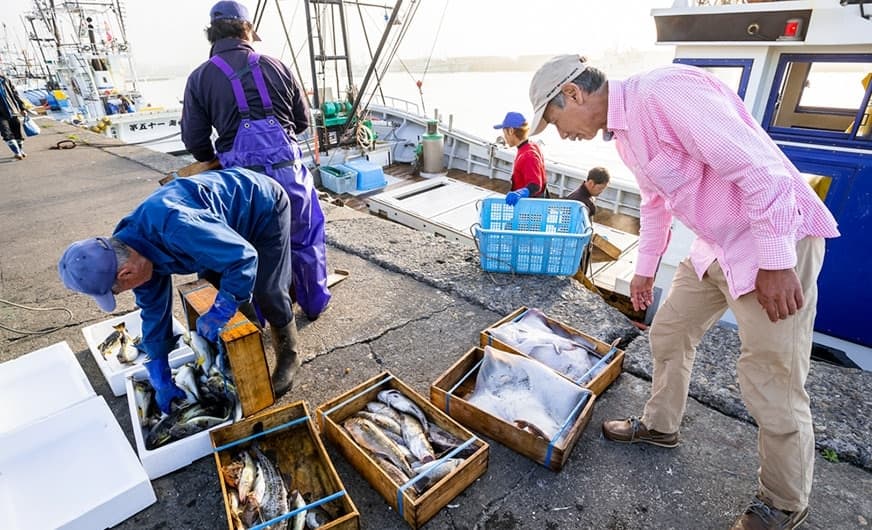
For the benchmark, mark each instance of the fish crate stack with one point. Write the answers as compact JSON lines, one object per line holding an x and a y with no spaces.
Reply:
{"x":112,"y":343}
{"x":535,"y":236}
{"x":304,"y":485}
{"x":243,"y":343}
{"x":417,"y":491}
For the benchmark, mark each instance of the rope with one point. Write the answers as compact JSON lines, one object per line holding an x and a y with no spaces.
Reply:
{"x":364,"y":136}
{"x":27,"y":308}
{"x":436,"y":38}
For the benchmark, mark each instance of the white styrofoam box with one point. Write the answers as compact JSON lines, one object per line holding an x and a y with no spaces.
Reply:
{"x":115,"y":372}
{"x":381,"y":156}
{"x":174,"y":455}
{"x":71,"y":470}
{"x":39,"y":384}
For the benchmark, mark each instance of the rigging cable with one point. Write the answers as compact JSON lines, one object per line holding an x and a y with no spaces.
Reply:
{"x":420,"y":82}
{"x":291,"y":47}
{"x":369,"y":47}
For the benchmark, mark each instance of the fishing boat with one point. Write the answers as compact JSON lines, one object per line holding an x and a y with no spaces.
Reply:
{"x":780,"y":56}
{"x":88,"y":76}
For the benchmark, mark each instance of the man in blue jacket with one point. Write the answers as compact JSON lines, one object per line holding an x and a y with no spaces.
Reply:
{"x":232,"y":223}
{"x":258,"y":107}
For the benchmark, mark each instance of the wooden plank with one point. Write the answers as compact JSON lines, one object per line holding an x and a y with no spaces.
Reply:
{"x":416,"y":510}
{"x":521,"y":441}
{"x":243,"y":343}
{"x":300,"y":454}
{"x":597,"y":385}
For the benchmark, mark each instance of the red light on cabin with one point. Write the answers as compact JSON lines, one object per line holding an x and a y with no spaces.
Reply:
{"x":791,"y":28}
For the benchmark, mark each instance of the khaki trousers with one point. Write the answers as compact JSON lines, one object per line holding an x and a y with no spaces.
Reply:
{"x":772,"y":369}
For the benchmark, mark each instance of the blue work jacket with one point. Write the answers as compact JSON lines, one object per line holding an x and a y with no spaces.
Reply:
{"x":197,"y":224}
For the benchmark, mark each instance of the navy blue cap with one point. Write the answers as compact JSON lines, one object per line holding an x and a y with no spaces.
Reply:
{"x":513,"y":120}
{"x":89,"y":267}
{"x":227,"y":10}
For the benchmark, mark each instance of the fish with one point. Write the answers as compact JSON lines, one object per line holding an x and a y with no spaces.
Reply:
{"x":377,"y":407}
{"x":127,"y":348}
{"x":436,"y":470}
{"x":316,"y":518}
{"x":143,"y":397}
{"x":275,"y":498}
{"x":111,"y":342}
{"x":298,"y":522}
{"x":386,"y":423}
{"x":415,"y":439}
{"x":235,"y":512}
{"x":445,"y":441}
{"x":397,"y":475}
{"x":246,"y":476}
{"x":172,"y":426}
{"x":401,"y":403}
{"x":185,"y":379}
{"x":204,"y":350}
{"x":371,"y":438}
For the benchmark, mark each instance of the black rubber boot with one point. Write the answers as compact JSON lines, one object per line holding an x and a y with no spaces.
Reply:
{"x":288,"y":360}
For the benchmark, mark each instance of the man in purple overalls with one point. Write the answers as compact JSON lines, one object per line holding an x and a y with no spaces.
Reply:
{"x":258,"y":107}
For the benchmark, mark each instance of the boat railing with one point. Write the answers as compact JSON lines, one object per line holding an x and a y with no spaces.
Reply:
{"x":402,"y":104}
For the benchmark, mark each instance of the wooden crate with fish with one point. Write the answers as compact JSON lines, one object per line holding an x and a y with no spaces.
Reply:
{"x":112,"y":343}
{"x":517,"y":401}
{"x":581,"y":358}
{"x":243,"y":343}
{"x":412,"y":453}
{"x":273,"y":468}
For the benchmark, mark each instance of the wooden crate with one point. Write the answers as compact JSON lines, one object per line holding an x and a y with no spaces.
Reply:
{"x":599,"y":383}
{"x":244,"y":345}
{"x":450,"y":391}
{"x":290,"y":432}
{"x":416,"y":510}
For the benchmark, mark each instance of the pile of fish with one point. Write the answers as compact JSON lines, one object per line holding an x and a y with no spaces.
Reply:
{"x":403,"y":442}
{"x":257,"y":493}
{"x":524,"y":392}
{"x":211,"y":398}
{"x":120,"y":344}
{"x":569,"y":354}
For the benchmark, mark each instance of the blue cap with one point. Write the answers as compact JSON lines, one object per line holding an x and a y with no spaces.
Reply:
{"x":89,"y":267}
{"x":227,"y":10}
{"x":513,"y":120}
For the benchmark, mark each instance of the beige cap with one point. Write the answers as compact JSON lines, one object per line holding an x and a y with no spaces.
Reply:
{"x":547,"y":82}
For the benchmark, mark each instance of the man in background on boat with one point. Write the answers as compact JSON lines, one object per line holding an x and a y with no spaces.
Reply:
{"x":12,"y":109}
{"x":235,"y":223}
{"x":699,"y":155}
{"x":596,"y":183}
{"x":528,"y":171}
{"x":258,"y":107}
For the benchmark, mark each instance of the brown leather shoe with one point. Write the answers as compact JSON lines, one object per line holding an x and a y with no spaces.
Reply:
{"x":632,"y":431}
{"x":761,"y":516}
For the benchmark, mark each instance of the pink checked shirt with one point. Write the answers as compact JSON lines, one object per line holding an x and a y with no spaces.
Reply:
{"x":699,"y":156}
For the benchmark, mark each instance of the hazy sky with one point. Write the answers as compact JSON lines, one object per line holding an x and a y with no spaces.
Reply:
{"x":170,"y":32}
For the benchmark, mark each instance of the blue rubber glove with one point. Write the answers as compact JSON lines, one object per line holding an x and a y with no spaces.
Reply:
{"x":513,"y":197}
{"x":165,"y":390}
{"x":209,"y":325}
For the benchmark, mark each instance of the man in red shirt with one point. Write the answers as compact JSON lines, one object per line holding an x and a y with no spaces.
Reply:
{"x":528,"y":173}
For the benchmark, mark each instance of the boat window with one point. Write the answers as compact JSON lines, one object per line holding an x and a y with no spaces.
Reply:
{"x":822,"y":98}
{"x":733,"y":72}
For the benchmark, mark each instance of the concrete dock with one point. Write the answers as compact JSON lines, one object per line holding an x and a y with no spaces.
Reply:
{"x":413,"y":304}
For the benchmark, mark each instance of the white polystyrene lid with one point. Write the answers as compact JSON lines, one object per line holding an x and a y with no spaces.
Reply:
{"x":73,"y":469}
{"x":39,"y":384}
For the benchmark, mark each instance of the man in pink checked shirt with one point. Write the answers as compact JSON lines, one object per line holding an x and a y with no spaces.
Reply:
{"x":700,"y":157}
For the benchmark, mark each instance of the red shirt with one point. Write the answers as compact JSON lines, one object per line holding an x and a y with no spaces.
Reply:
{"x":529,"y":168}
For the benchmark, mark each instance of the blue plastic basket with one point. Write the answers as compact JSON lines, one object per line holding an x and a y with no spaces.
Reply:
{"x":535,"y":236}
{"x":338,"y":178}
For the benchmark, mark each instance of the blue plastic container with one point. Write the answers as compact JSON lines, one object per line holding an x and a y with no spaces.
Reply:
{"x":369,"y":175}
{"x":338,"y":178}
{"x":535,"y":236}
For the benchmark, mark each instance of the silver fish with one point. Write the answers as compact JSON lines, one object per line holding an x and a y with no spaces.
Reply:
{"x":164,"y":431}
{"x":385,"y":422}
{"x":436,"y":470}
{"x":204,"y":350}
{"x":403,"y":404}
{"x":445,"y":441}
{"x":185,"y":379}
{"x":143,"y":396}
{"x":394,"y":473}
{"x":377,"y":407}
{"x":370,"y":437}
{"x":299,"y":520}
{"x":275,"y":498}
{"x":415,"y":439}
{"x":246,"y":476}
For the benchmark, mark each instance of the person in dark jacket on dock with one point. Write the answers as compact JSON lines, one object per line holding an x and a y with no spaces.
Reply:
{"x":258,"y":108}
{"x":11,"y":110}
{"x":234,"y":224}
{"x":596,"y":182}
